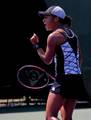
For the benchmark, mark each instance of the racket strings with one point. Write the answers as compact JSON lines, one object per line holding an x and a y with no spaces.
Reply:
{"x":33,"y":78}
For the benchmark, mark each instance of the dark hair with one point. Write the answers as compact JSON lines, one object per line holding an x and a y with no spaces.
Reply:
{"x":66,"y":21}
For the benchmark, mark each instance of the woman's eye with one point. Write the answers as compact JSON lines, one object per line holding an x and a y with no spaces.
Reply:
{"x":45,"y":17}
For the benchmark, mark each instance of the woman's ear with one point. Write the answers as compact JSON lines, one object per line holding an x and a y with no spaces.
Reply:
{"x":56,"y":19}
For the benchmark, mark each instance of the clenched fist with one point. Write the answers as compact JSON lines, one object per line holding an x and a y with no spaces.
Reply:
{"x":34,"y":39}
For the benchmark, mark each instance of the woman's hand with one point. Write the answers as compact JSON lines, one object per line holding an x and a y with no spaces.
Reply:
{"x":34,"y":39}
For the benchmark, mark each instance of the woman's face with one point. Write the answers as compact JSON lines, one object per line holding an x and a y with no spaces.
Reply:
{"x":49,"y":22}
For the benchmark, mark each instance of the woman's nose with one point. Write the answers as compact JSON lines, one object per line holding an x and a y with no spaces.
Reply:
{"x":44,"y":20}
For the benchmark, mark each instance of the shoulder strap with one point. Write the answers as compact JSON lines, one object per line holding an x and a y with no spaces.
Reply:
{"x":69,"y":33}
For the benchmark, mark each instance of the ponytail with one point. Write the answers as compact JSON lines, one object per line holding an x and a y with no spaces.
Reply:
{"x":66,"y":21}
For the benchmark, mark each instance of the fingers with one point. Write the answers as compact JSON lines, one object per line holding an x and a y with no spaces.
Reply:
{"x":34,"y":39}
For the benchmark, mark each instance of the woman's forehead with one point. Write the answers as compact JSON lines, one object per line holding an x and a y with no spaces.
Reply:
{"x":48,"y":16}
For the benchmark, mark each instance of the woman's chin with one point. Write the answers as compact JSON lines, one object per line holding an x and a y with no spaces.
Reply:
{"x":48,"y":29}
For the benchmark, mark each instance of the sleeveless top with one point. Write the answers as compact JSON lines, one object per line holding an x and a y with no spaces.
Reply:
{"x":66,"y":57}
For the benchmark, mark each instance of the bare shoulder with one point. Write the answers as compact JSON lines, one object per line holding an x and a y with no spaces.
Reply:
{"x":57,"y":36}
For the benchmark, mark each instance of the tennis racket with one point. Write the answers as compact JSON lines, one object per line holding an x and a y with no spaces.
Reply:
{"x":34,"y":77}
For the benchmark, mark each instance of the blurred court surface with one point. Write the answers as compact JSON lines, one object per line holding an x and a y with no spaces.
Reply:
{"x":37,"y":113}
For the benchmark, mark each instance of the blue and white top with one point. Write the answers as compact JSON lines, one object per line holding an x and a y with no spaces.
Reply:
{"x":67,"y":55}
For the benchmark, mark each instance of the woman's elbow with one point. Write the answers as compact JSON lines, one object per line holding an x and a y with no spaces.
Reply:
{"x":48,"y":62}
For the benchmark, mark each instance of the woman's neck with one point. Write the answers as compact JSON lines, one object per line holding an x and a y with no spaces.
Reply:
{"x":59,"y":26}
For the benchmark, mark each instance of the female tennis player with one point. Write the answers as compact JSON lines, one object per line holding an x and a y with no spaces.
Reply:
{"x":62,"y":48}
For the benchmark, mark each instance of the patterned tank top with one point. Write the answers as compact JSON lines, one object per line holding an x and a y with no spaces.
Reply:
{"x":66,"y":58}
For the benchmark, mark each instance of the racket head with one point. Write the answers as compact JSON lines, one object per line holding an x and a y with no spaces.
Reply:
{"x":32,"y":77}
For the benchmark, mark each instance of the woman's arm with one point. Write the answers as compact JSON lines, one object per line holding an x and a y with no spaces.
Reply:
{"x":53,"y":39}
{"x":47,"y":56}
